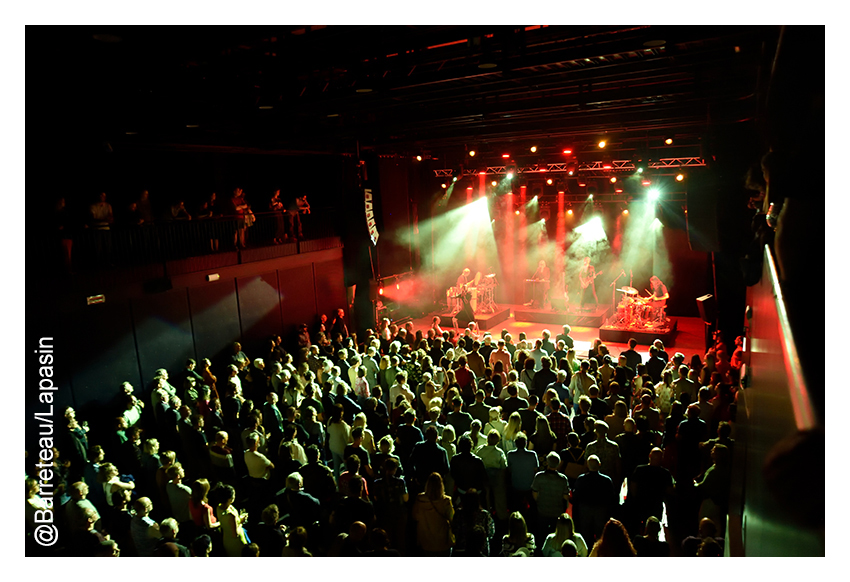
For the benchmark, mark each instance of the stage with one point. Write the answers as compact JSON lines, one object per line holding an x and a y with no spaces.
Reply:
{"x":571,"y":316}
{"x":643,"y":335}
{"x":689,"y":336}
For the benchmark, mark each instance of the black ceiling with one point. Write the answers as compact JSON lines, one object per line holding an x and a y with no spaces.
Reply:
{"x":435,"y":90}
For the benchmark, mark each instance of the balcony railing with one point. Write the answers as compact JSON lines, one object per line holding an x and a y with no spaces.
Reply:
{"x":174,"y":240}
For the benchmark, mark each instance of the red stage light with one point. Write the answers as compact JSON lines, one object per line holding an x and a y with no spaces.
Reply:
{"x":549,"y":181}
{"x":613,"y":179}
{"x":570,"y":211}
{"x":381,"y":291}
{"x":568,"y":151}
{"x":506,"y":156}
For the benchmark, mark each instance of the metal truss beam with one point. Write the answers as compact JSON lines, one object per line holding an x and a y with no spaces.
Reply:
{"x":588,"y":169}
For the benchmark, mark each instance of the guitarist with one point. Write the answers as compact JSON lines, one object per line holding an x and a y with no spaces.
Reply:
{"x":586,"y":275}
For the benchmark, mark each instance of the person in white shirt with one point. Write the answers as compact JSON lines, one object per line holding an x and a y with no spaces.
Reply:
{"x":259,"y":466}
{"x":521,"y":388}
{"x":400,"y":387}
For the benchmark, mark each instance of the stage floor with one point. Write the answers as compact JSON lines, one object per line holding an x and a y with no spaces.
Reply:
{"x":689,"y":339}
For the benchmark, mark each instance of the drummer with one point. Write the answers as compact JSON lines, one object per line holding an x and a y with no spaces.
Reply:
{"x":659,"y":296}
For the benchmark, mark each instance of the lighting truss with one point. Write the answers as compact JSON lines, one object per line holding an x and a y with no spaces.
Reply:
{"x":588,"y":168}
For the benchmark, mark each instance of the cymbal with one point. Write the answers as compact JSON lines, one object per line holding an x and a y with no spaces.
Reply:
{"x":628,"y":290}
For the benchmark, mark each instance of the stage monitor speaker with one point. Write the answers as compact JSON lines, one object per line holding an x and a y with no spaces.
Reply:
{"x":707,"y":305}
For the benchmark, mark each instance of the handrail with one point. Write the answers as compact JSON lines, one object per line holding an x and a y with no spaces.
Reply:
{"x":804,"y":413}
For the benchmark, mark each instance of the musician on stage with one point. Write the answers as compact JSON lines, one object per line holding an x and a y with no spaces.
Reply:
{"x":460,"y":288}
{"x":659,"y":297}
{"x":463,"y":279}
{"x":586,"y":275}
{"x":542,"y":274}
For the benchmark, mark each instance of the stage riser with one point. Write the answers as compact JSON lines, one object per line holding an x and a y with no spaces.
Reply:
{"x":643,"y":337}
{"x":484,"y":320}
{"x":561,"y":318}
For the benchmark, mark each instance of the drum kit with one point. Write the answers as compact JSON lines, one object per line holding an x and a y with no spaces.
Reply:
{"x":635,"y":311}
{"x":482,"y":294}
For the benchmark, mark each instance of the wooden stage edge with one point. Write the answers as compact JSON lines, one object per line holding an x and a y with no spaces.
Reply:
{"x":643,"y":336}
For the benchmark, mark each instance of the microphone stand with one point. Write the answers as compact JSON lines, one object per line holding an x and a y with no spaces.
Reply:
{"x":614,"y":290}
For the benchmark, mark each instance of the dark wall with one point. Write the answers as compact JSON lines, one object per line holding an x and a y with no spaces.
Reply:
{"x":133,"y":333}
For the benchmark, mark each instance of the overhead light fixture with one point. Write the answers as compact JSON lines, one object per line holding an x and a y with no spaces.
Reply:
{"x":454,"y":178}
{"x":654,"y":194}
{"x":549,"y":181}
{"x":645,"y":182}
{"x":613,"y":179}
{"x":418,"y":158}
{"x":471,"y":153}
{"x":533,"y":149}
{"x":517,"y":212}
{"x":510,"y":175}
{"x":639,"y":169}
{"x":568,"y":151}
{"x":669,"y":141}
{"x":680,"y":177}
{"x":570,"y":212}
{"x":602,"y":144}
{"x":506,"y":156}
{"x":443,"y":185}
{"x":493,"y":183}
{"x":213,"y":277}
{"x":625,"y":212}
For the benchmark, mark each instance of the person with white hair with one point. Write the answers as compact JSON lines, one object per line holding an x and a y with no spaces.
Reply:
{"x":551,"y":490}
{"x":606,"y":451}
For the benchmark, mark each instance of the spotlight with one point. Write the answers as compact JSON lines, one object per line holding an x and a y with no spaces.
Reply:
{"x":602,"y":144}
{"x":469,"y":187}
{"x":506,"y":156}
{"x":669,"y":141}
{"x":680,"y":177}
{"x":533,"y":149}
{"x":654,"y":194}
{"x":568,"y":151}
{"x":381,"y":291}
{"x":639,"y":169}
{"x":613,"y":179}
{"x":443,"y":186}
{"x":418,"y":158}
{"x":471,"y":153}
{"x":397,"y":286}
{"x":625,"y":212}
{"x":549,"y":181}
{"x":645,"y":182}
{"x":570,"y":212}
{"x":493,"y":183}
{"x":517,"y":213}
{"x":590,"y":196}
{"x":570,"y":172}
{"x":510,"y":175}
{"x":543,"y":220}
{"x":454,"y":179}
{"x":482,"y":173}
